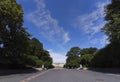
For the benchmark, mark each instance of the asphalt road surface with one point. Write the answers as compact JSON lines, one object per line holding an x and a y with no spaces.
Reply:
{"x":62,"y":75}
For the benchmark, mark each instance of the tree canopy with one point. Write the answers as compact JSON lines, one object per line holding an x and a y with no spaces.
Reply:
{"x":74,"y":51}
{"x":112,"y":27}
{"x":90,"y":50}
{"x":16,"y":47}
{"x":13,"y":36}
{"x":72,"y":57}
{"x":77,"y":56}
{"x":109,"y":56}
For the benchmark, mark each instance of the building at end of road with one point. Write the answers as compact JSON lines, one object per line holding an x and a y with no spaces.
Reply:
{"x":58,"y":65}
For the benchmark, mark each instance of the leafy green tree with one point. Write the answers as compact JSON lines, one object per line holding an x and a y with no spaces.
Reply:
{"x":112,"y":27}
{"x":38,"y":56}
{"x":16,"y":48}
{"x":34,"y":61}
{"x":13,"y":37}
{"x":86,"y":56}
{"x":72,"y":57}
{"x":72,"y":64}
{"x":35,"y":46}
{"x":85,"y":60}
{"x":74,"y":51}
{"x":90,"y":50}
{"x":45,"y":57}
{"x":109,"y":56}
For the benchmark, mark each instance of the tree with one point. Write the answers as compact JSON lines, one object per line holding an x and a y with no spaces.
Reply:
{"x":33,"y":61}
{"x":16,"y":47}
{"x":112,"y":27}
{"x":35,"y":46}
{"x":109,"y":56}
{"x":38,"y":56}
{"x":72,"y":57}
{"x":13,"y":37}
{"x":74,"y":51}
{"x":85,"y":60}
{"x":90,"y":50}
{"x":45,"y":57}
{"x":86,"y":56}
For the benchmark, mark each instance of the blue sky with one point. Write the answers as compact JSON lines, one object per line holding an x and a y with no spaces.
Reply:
{"x":62,"y":24}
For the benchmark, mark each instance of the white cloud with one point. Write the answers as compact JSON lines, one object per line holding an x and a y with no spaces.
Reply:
{"x":102,"y":41}
{"x":49,"y":27}
{"x":58,"y":57}
{"x":92,"y":22}
{"x":66,"y":38}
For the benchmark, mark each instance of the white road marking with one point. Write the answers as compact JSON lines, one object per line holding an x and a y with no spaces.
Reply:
{"x":33,"y":77}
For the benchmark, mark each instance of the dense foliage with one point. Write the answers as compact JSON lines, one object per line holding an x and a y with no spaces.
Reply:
{"x":77,"y":56}
{"x":13,"y":37}
{"x":107,"y":57}
{"x":112,"y":27}
{"x":72,"y":58}
{"x":86,"y":56}
{"x":110,"y":55}
{"x":90,"y":50}
{"x":38,"y":56}
{"x":16,"y":47}
{"x":85,"y":60}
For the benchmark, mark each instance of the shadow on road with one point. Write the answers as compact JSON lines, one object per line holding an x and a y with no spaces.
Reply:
{"x":4,"y":72}
{"x":106,"y":70}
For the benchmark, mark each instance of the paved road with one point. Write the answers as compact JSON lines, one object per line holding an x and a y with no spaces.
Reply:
{"x":70,"y":75}
{"x":64,"y":75}
{"x":16,"y":75}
